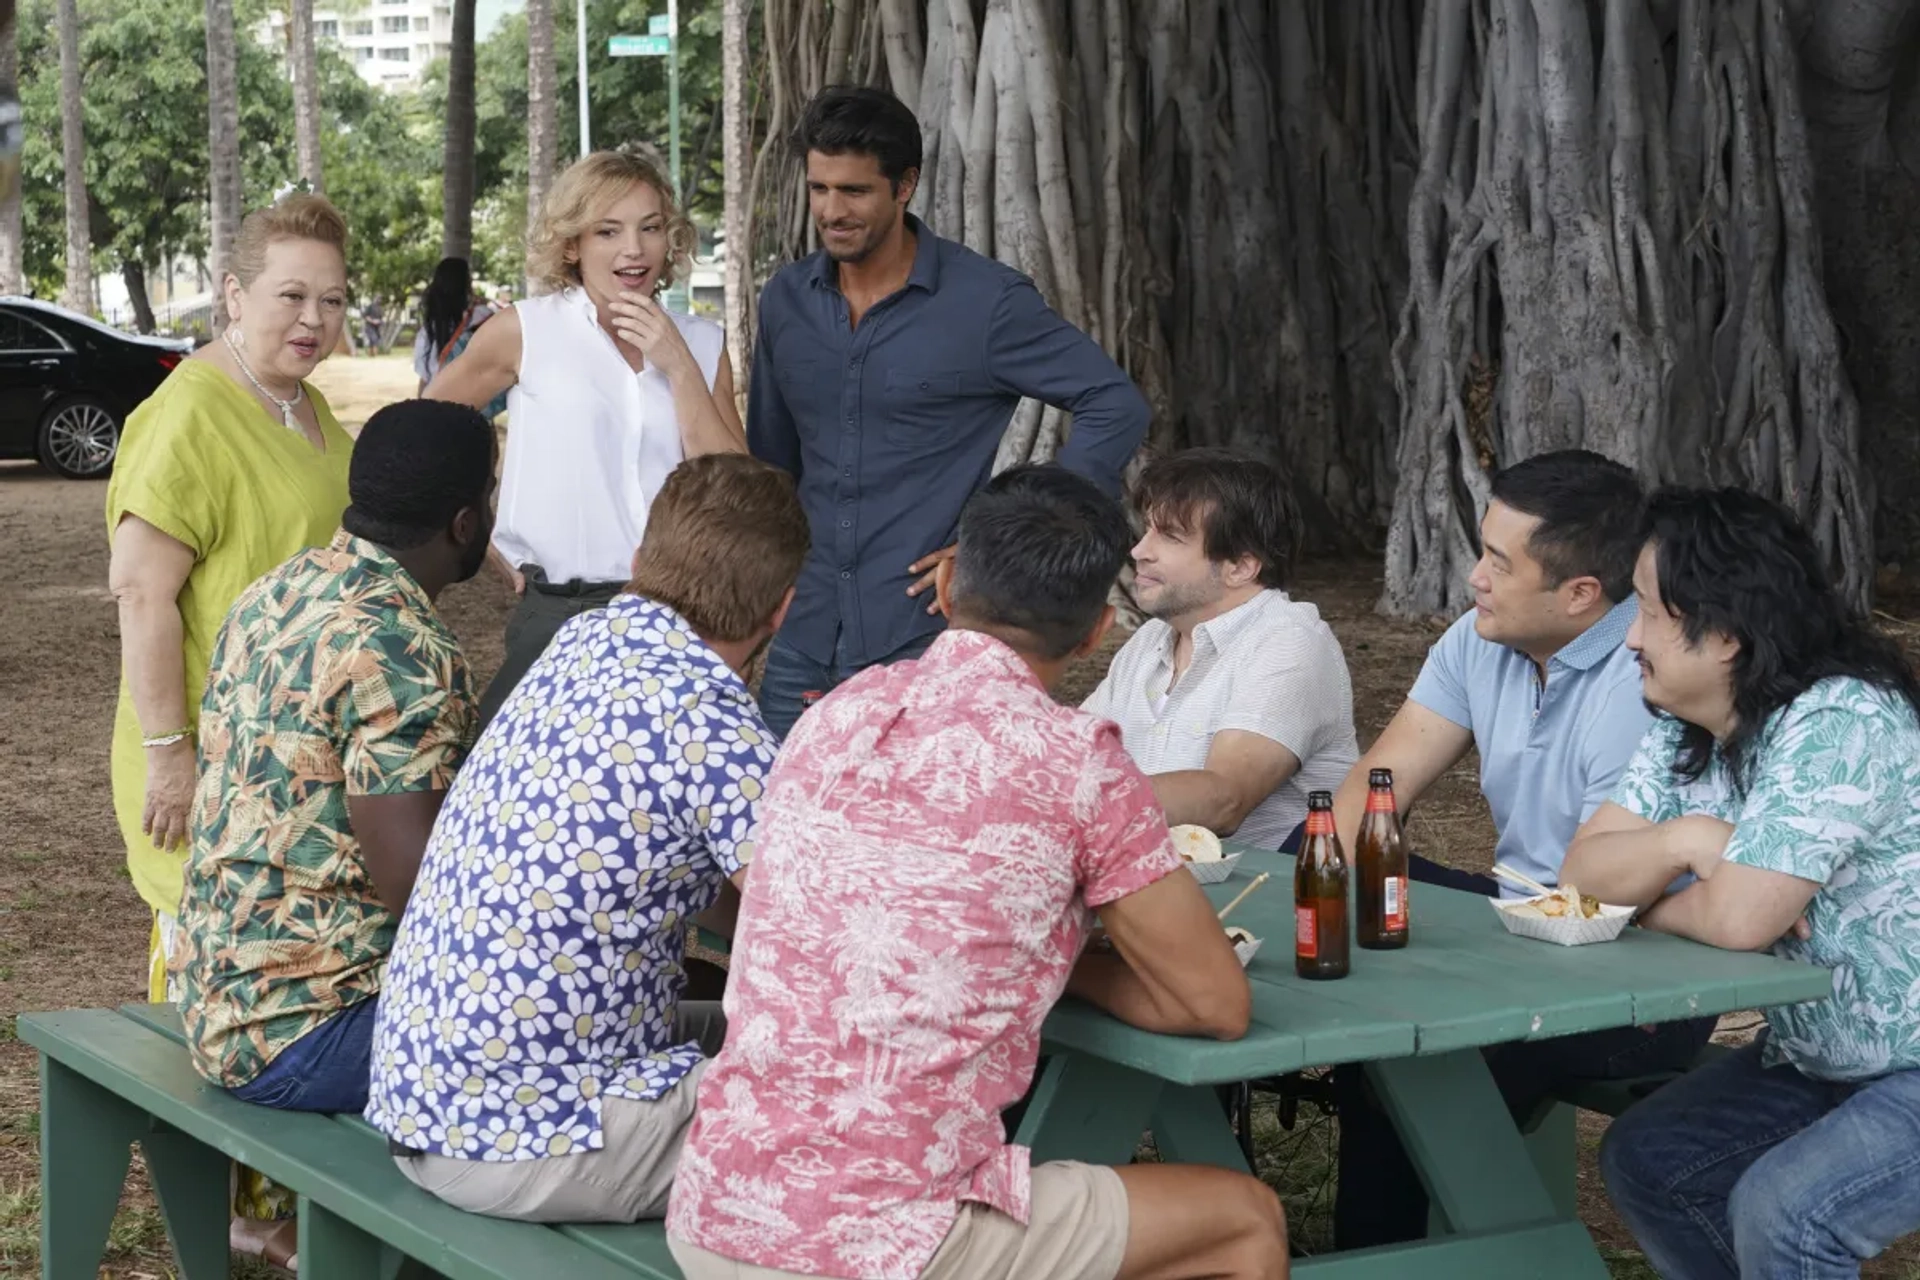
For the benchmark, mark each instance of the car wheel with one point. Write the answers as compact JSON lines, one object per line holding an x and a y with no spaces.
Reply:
{"x":79,"y":438}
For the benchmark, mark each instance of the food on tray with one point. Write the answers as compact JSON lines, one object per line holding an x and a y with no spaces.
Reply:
{"x":1196,"y":844}
{"x":1566,"y":902}
{"x":1238,"y":936}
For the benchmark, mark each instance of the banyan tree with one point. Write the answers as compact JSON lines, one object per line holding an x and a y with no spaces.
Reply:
{"x":1394,"y":244}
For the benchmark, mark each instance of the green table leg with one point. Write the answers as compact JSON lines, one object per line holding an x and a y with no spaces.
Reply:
{"x":190,"y":1181}
{"x":1190,"y":1127}
{"x":1554,"y":1144}
{"x":86,"y":1144}
{"x":332,"y":1246}
{"x":1088,"y":1109}
{"x":1460,"y":1136}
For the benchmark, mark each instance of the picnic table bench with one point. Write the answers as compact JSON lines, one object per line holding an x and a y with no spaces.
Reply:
{"x":1503,"y":1200}
{"x":110,"y":1078}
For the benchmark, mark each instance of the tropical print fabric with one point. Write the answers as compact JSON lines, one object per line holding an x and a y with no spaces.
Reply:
{"x":931,"y":843}
{"x":540,"y":966}
{"x":1832,"y":800}
{"x":332,"y":677}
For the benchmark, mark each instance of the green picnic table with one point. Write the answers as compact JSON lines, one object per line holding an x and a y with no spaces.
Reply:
{"x":1417,"y":1018}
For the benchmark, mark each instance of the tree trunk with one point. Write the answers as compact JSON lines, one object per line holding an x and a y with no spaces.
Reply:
{"x":304,"y":59}
{"x":456,"y":239}
{"x":223,"y":130}
{"x":134,"y":274}
{"x":543,"y":124}
{"x":736,"y":200}
{"x":1613,"y":248}
{"x":78,"y":295}
{"x":12,"y":232}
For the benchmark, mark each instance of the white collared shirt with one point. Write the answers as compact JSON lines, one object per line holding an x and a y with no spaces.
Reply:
{"x":1271,"y":667}
{"x":589,"y":441}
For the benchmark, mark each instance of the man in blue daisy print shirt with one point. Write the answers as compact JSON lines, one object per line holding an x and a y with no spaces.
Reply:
{"x":532,"y":1057}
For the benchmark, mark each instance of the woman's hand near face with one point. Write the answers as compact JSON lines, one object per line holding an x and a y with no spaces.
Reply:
{"x":644,"y":324}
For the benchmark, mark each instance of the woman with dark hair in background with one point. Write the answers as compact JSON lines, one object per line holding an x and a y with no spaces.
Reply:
{"x":449,"y":314}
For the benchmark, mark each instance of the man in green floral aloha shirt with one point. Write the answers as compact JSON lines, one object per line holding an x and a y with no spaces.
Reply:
{"x":337,"y":709}
{"x":1783,"y":774}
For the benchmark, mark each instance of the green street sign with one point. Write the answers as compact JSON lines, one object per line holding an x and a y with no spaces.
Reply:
{"x":660,"y":24}
{"x":639,"y":46}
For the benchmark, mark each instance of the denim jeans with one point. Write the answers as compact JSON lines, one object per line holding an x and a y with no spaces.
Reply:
{"x":326,"y":1069}
{"x":1742,"y":1170}
{"x":1380,"y":1199}
{"x":790,"y":675}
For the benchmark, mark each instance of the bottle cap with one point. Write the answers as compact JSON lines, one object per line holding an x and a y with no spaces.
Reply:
{"x":1380,"y":778}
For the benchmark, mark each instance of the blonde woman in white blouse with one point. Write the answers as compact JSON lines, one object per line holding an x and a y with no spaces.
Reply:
{"x":610,"y":391}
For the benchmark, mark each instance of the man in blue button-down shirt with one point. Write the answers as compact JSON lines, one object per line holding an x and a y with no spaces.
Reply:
{"x":1539,"y":679}
{"x":886,"y":369}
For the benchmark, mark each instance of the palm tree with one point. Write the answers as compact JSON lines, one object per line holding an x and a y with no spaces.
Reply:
{"x":306,"y":93}
{"x":456,"y":172}
{"x":737,"y":160}
{"x":223,"y":133}
{"x":73,"y":140}
{"x":12,"y":241}
{"x":543,"y":124}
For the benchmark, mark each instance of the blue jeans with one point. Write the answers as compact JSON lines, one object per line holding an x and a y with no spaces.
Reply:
{"x":790,"y":675}
{"x":1742,"y":1170}
{"x":326,"y":1069}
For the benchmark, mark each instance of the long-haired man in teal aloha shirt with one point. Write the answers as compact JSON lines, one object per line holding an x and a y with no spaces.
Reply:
{"x":1783,"y":772}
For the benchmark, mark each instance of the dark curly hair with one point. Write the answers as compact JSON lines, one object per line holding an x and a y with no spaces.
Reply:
{"x":1743,"y":566}
{"x":415,"y":466}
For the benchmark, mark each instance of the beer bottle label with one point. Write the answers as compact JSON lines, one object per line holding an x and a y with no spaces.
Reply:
{"x":1380,"y":802}
{"x":1396,"y":902}
{"x":1306,"y":941}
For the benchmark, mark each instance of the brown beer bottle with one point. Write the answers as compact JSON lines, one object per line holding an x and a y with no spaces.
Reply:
{"x":1380,"y":863}
{"x":1320,"y":896}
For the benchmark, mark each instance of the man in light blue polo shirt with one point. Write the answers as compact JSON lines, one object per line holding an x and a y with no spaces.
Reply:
{"x":1538,"y":678}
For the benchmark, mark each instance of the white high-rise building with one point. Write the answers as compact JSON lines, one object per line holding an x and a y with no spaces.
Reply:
{"x":389,"y":42}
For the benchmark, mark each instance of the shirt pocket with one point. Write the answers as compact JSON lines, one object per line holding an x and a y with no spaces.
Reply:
{"x":919,"y":406}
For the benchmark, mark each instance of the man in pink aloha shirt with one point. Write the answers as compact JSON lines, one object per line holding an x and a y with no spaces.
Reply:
{"x":932,"y":838}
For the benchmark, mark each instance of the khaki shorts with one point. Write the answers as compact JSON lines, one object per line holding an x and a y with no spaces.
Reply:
{"x":627,"y":1179}
{"x":1077,"y":1230}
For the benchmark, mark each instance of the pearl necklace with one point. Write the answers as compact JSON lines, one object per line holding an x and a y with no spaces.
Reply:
{"x":286,"y":407}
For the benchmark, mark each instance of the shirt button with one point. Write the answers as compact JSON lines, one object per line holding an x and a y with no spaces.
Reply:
{"x":846,"y":573}
{"x":846,"y":524}
{"x":926,"y":386}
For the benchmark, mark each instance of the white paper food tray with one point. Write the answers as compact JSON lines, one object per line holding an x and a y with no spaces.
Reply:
{"x":1568,"y":931}
{"x":1214,"y":872}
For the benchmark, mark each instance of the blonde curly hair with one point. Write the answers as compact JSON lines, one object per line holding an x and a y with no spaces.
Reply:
{"x":580,"y":196}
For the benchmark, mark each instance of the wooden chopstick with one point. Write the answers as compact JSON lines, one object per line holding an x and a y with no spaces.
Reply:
{"x":1257,"y":882}
{"x":1506,"y":872}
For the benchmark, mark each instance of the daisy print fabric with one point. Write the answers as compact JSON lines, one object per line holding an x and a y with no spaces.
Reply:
{"x":539,"y":967}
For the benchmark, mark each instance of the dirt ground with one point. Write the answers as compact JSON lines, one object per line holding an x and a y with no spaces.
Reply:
{"x":74,"y":933}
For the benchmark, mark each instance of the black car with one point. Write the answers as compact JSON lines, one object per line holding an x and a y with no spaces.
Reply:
{"x":68,"y":382}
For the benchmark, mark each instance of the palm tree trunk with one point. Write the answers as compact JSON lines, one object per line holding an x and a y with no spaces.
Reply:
{"x":12,"y":233}
{"x":543,"y":124}
{"x":737,"y":162}
{"x":134,"y":274}
{"x":223,"y":132}
{"x":306,"y":94}
{"x":456,"y":177}
{"x":73,"y":139}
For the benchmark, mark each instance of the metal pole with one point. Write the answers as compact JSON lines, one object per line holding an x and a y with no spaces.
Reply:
{"x":673,"y":97}
{"x":586,"y":143}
